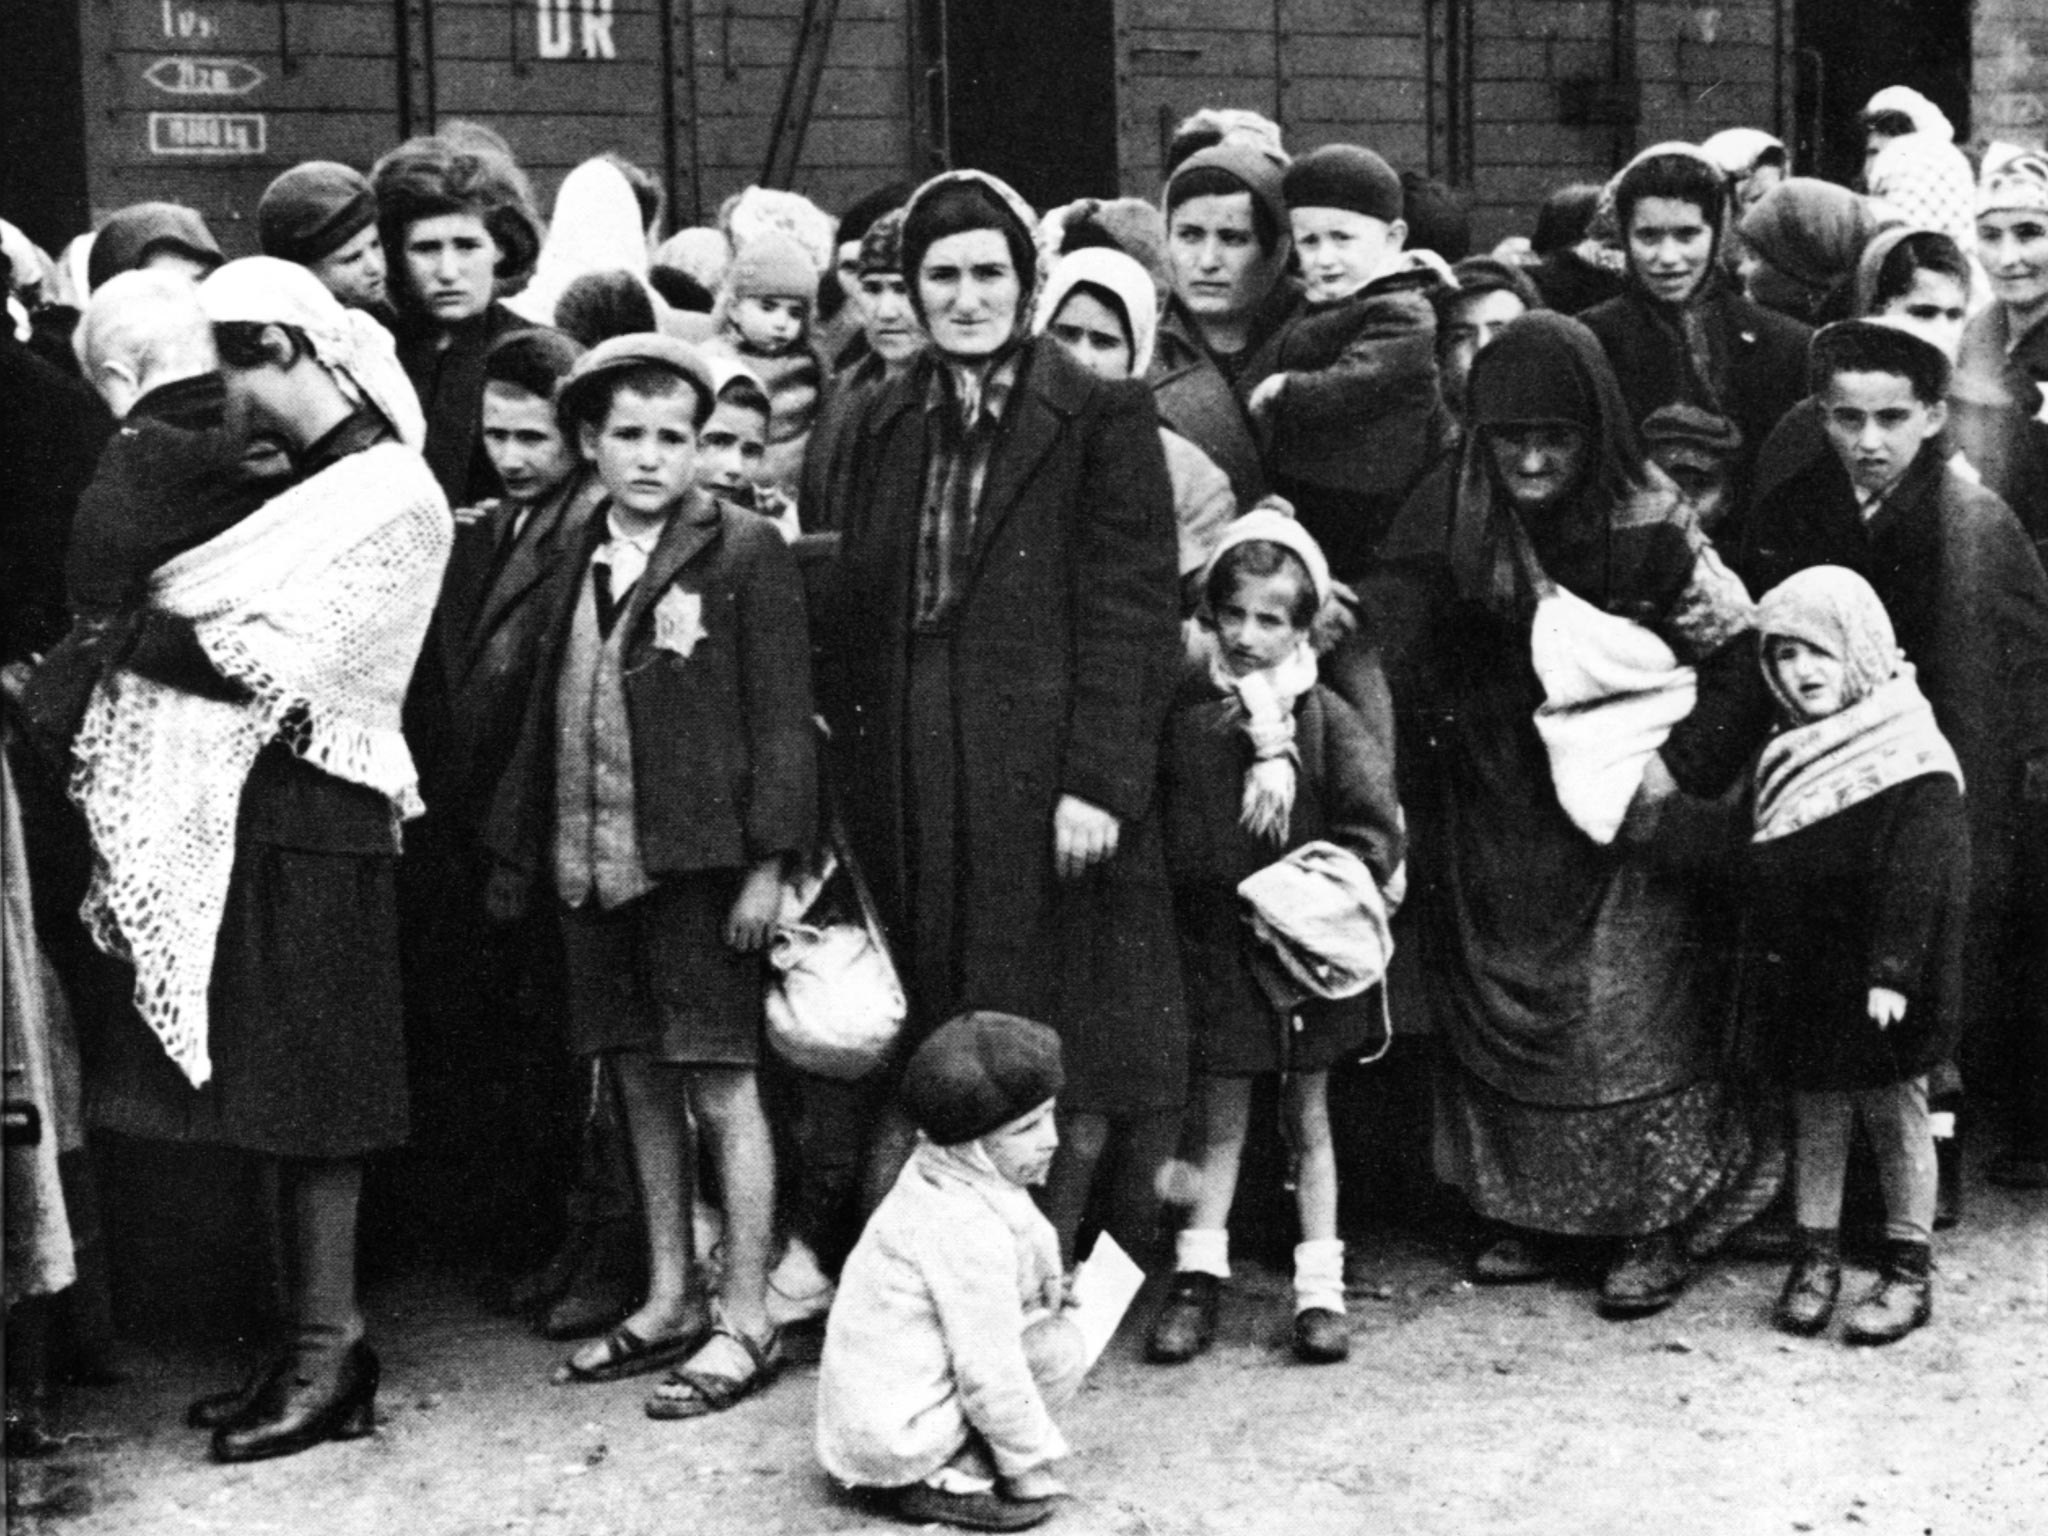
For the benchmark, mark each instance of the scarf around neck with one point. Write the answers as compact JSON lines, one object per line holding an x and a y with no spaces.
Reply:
{"x":1265,"y":702}
{"x":1814,"y":771}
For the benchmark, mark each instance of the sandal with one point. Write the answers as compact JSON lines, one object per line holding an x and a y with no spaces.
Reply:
{"x":627,"y":1354}
{"x":706,"y":1392}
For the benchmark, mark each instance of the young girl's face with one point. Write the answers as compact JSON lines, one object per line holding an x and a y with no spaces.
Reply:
{"x":1022,"y":1150}
{"x":1935,"y":309}
{"x":1811,"y":681}
{"x":769,"y":325}
{"x":1093,"y":335}
{"x":731,"y":449}
{"x":1255,"y":624}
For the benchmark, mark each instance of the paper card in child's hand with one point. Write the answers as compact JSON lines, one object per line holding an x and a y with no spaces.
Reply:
{"x":679,"y":621}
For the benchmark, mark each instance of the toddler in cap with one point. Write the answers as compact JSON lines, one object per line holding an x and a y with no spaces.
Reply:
{"x":947,"y":1347}
{"x":767,"y":306}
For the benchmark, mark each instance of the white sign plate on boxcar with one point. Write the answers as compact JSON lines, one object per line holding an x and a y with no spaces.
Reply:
{"x":188,"y":76}
{"x":207,"y":133}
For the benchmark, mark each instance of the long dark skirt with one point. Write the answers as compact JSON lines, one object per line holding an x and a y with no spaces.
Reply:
{"x":305,"y":1027}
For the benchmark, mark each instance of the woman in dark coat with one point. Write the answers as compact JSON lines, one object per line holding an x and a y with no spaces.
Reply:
{"x":1679,"y":333}
{"x":1576,"y":989}
{"x":1000,"y":644}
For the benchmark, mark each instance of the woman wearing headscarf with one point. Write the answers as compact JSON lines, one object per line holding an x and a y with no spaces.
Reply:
{"x":243,"y":777}
{"x":1801,"y":241}
{"x":2011,"y":334}
{"x":1680,"y":333}
{"x":1578,"y":989}
{"x":1923,"y":180}
{"x":1000,"y":645}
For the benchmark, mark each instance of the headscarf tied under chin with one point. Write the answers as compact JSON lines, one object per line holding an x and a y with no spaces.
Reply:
{"x":957,"y":202}
{"x":1123,"y":280}
{"x":1885,"y":733}
{"x":356,"y":349}
{"x":1543,"y":369}
{"x":1265,"y":699}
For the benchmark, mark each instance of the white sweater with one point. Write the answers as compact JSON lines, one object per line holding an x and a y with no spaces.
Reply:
{"x":926,"y":1336}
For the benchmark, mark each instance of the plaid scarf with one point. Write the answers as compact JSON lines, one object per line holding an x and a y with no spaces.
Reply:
{"x":965,"y":411}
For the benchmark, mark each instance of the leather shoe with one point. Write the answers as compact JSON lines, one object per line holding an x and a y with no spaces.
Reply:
{"x":296,"y":1410}
{"x":1649,"y":1276}
{"x":1903,"y":1300}
{"x":1321,"y":1337}
{"x":218,"y":1408}
{"x":922,"y":1504}
{"x":1811,"y":1287}
{"x":1186,"y":1321}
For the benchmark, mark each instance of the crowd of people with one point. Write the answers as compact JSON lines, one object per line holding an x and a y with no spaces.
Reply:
{"x":1208,"y":637}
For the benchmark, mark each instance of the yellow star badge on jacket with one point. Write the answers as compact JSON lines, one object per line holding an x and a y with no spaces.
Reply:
{"x":679,"y":622}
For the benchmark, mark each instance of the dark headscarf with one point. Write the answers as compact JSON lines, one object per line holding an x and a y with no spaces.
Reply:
{"x":1548,"y":369}
{"x":130,"y":237}
{"x":956,"y":202}
{"x":1809,"y":234}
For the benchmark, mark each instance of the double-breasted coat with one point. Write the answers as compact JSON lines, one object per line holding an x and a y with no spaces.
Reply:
{"x":1062,"y":651}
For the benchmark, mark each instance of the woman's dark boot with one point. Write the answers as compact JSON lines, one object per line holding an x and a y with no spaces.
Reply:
{"x":1808,"y":1300}
{"x":1903,"y":1300}
{"x":314,"y":1397}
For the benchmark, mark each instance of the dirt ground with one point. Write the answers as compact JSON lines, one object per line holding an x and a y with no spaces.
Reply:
{"x":1462,"y":1410}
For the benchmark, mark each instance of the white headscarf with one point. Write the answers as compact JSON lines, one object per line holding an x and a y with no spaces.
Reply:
{"x":1120,"y":276}
{"x":262,"y":290}
{"x":596,"y":228}
{"x":1924,"y":115}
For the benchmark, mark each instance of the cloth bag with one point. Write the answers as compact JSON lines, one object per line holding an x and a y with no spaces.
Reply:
{"x":835,"y":1005}
{"x":1612,"y":691}
{"x":1321,"y":914}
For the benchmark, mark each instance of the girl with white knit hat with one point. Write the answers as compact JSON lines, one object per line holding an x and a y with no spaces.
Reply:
{"x":1261,"y":760}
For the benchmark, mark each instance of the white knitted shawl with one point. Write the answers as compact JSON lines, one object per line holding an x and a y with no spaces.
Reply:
{"x":318,"y":604}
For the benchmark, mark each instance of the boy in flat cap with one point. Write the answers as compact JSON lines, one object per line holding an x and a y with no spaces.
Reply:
{"x":947,"y":1347}
{"x":665,"y":773}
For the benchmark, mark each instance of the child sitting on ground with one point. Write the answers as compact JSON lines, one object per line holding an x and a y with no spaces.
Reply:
{"x":665,"y":776}
{"x":1859,"y":890}
{"x":947,"y":1347}
{"x":764,"y":314}
{"x":1261,"y":760}
{"x":1346,"y":389}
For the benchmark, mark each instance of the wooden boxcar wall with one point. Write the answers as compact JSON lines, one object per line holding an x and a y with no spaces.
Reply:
{"x":206,"y":100}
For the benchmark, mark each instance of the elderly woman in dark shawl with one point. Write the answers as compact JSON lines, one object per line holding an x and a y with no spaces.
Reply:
{"x":1000,"y":646}
{"x":1578,"y":996}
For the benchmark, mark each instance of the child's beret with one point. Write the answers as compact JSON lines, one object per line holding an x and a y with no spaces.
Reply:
{"x":978,"y":1072}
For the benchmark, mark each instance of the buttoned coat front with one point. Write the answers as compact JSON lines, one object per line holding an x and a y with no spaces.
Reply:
{"x":1063,"y":650}
{"x":724,"y":751}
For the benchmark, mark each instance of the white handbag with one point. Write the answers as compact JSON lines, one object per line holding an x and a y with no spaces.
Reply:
{"x":835,"y":1006}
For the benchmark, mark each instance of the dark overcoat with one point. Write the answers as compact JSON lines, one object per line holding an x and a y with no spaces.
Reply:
{"x":1064,"y":649}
